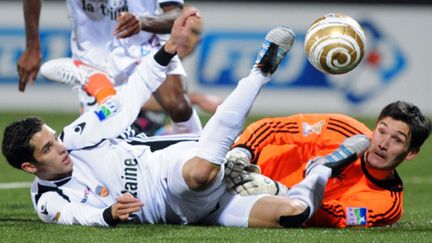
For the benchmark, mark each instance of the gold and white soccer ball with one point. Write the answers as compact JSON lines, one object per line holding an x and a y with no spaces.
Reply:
{"x":335,"y":43}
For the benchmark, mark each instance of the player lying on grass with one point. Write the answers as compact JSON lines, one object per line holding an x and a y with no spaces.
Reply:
{"x":368,"y":192}
{"x":86,"y":176}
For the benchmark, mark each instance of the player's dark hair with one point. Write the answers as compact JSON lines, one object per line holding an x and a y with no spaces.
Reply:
{"x":16,"y":145}
{"x":420,"y":125}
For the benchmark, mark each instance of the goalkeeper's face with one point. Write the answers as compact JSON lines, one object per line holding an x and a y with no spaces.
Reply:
{"x":52,"y":158}
{"x":390,"y":144}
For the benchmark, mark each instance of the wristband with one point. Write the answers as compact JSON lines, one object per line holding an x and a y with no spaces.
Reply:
{"x":108,"y":217}
{"x":162,"y":57}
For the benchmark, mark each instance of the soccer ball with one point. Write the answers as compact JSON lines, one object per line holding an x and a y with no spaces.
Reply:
{"x":335,"y":43}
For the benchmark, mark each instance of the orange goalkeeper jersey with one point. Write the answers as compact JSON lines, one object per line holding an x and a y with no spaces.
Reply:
{"x":282,"y":146}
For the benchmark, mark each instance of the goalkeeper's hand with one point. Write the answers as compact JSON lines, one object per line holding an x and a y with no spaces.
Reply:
{"x":236,"y":161}
{"x":249,"y":183}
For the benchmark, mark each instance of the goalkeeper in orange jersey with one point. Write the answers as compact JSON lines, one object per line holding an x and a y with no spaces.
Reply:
{"x":368,"y":192}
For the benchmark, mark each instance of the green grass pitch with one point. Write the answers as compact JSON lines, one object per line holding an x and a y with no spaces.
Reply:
{"x":18,"y":222}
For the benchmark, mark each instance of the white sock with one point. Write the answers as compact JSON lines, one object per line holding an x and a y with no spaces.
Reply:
{"x":225,"y":125}
{"x":311,"y":189}
{"x":193,"y":125}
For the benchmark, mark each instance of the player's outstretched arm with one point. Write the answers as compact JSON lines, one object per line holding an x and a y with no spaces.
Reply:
{"x":29,"y":63}
{"x":119,"y":111}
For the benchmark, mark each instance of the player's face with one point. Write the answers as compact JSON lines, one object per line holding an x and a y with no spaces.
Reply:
{"x":389,"y":144}
{"x":53,"y":161}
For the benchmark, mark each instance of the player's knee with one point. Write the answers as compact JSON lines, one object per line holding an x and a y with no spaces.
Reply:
{"x":296,"y":219}
{"x":179,"y":109}
{"x":202,"y":176}
{"x":172,"y":97}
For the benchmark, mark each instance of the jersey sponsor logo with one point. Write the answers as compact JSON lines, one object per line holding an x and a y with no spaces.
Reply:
{"x":130,"y":176}
{"x":110,"y":9}
{"x":314,"y":128}
{"x":101,"y":191}
{"x":106,"y":110}
{"x":356,"y":216}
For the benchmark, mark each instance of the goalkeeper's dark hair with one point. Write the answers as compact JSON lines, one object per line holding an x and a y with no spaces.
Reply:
{"x":420,"y":125}
{"x":16,"y":145}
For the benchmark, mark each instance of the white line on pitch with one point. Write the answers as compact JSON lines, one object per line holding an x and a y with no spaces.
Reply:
{"x":15,"y":185}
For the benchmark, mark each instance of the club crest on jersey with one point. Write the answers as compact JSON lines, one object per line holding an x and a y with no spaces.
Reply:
{"x":314,"y":128}
{"x":356,"y":216}
{"x":106,"y":110}
{"x":101,"y":191}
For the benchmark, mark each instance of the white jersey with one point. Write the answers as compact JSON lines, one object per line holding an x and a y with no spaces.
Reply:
{"x":97,"y":128}
{"x":100,"y":174}
{"x":94,"y":185}
{"x":93,"y":42}
{"x":104,"y":167}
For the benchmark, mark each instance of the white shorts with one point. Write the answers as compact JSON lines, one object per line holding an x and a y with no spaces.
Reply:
{"x":233,"y":210}
{"x":121,"y":64}
{"x":169,"y":196}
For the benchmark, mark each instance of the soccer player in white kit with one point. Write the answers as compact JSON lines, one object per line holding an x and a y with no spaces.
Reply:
{"x":114,"y":36}
{"x":86,"y":176}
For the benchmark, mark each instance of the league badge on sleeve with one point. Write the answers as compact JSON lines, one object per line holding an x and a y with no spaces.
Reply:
{"x":107,"y":109}
{"x":356,"y":216}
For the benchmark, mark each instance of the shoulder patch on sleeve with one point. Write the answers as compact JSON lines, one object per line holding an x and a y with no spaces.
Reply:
{"x":356,"y":216}
{"x":107,"y":109}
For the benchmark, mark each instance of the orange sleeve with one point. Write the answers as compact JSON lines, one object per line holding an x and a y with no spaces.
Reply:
{"x":364,"y":209}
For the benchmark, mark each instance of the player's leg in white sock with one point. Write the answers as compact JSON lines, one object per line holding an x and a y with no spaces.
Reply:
{"x":225,"y":125}
{"x":192,"y":125}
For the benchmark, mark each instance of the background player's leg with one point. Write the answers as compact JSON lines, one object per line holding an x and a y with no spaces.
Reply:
{"x":172,"y":97}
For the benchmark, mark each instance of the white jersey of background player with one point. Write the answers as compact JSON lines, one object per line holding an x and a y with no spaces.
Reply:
{"x":114,"y":56}
{"x":94,"y":43}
